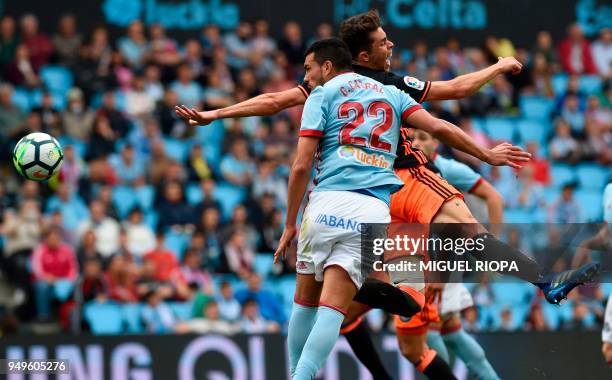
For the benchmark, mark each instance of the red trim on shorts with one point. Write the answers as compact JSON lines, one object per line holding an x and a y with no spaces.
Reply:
{"x":480,"y":180}
{"x":451,"y":330}
{"x":410,"y":110}
{"x":322,"y":304}
{"x":420,"y":330}
{"x":426,"y":359}
{"x":304,"y":303}
{"x":310,"y":133}
{"x":351,"y":326}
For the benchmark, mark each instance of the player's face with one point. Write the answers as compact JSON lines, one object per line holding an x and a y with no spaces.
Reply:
{"x":379,"y":57}
{"x":313,"y":72}
{"x":424,"y":142}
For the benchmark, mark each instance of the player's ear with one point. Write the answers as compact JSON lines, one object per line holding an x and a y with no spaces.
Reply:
{"x":363,"y":56}
{"x":327,"y":68}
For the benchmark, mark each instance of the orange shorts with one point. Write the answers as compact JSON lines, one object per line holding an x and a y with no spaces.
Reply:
{"x":418,"y":324}
{"x":423,"y":194}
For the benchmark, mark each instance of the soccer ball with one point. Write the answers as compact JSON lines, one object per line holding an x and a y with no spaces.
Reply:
{"x":38,"y":156}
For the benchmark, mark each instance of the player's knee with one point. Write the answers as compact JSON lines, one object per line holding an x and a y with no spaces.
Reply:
{"x":411,"y":348}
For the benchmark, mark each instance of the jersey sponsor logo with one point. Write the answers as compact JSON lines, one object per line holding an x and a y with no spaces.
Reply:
{"x":414,"y":83}
{"x":338,"y":222}
{"x":371,"y":159}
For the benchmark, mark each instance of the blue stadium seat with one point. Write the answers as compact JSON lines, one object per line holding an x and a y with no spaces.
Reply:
{"x":150,"y":218}
{"x":531,"y":130}
{"x":500,"y":129}
{"x":517,"y":216}
{"x":21,"y":99}
{"x":263,"y":264}
{"x":479,"y":124}
{"x":131,"y":317}
{"x":536,"y":107}
{"x":606,"y":287}
{"x":176,"y":149}
{"x":212,"y":133}
{"x":124,"y":199}
{"x":120,"y":100}
{"x":590,"y":84}
{"x":590,"y":203}
{"x":144,"y":196}
{"x":62,"y":289}
{"x":57,"y":79}
{"x":561,"y":174}
{"x":512,"y":293}
{"x":103,"y":318}
{"x":229,"y":196}
{"x":182,"y":310}
{"x":592,"y":176}
{"x":559,"y":83}
{"x":552,"y":314}
{"x":193,"y":193}
{"x":177,"y":242}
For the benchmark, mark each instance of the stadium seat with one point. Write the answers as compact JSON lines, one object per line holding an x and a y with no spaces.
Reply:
{"x":263,"y":264}
{"x":531,"y":130}
{"x":561,"y":174}
{"x":62,"y":289}
{"x":144,"y":196}
{"x":517,"y":216}
{"x":229,"y":196}
{"x":501,"y":129}
{"x":590,"y":84}
{"x":176,"y":149}
{"x":120,"y":100}
{"x":512,"y":293}
{"x":103,"y":318}
{"x":57,"y":79}
{"x":131,"y":317}
{"x":150,"y":218}
{"x":177,"y":242}
{"x":193,"y":193}
{"x":479,"y":124}
{"x":124,"y":199}
{"x":559,"y":83}
{"x":606,"y":287}
{"x":552,"y":314}
{"x":590,"y":205}
{"x":21,"y":99}
{"x":592,"y":176}
{"x":536,"y":107}
{"x":182,"y":310}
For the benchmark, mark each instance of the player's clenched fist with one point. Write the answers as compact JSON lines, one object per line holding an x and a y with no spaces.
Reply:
{"x":509,"y":65}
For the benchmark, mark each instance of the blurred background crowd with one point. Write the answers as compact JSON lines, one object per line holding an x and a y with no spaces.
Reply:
{"x":153,"y":226}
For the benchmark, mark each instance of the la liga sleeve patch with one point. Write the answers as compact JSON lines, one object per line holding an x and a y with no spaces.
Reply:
{"x":414,"y":83}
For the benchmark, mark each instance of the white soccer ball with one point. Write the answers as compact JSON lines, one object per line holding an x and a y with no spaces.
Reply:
{"x":38,"y":156}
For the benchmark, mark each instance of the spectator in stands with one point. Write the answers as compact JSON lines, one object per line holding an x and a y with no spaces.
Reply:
{"x":271,"y":231}
{"x":565,"y":209}
{"x":92,"y":70}
{"x":11,"y":116}
{"x":8,"y":41}
{"x":292,"y":43}
{"x":193,"y":273}
{"x":170,"y":123}
{"x":38,"y":44}
{"x":138,"y":103}
{"x":52,"y":261}
{"x":253,"y":323}
{"x":539,"y":164}
{"x":121,"y":279}
{"x":49,"y":115}
{"x":119,"y":123}
{"x":152,"y":83}
{"x":102,"y":140}
{"x":72,"y":208}
{"x":105,"y":195}
{"x":163,"y":50}
{"x":238,"y":44}
{"x":470,"y":320}
{"x":602,"y":52}
{"x":535,"y":320}
{"x":580,"y":318}
{"x":507,"y":323}
{"x":467,"y":126}
{"x":541,"y":76}
{"x":269,"y":303}
{"x":106,"y":229}
{"x":207,"y":187}
{"x":210,"y":323}
{"x":229,"y":307}
{"x":598,"y":143}
{"x":21,"y":71}
{"x":87,"y":249}
{"x":174,"y":211}
{"x":239,"y":254}
{"x":544,"y":47}
{"x":189,"y":91}
{"x":156,"y":315}
{"x":237,"y":167}
{"x":240,"y":221}
{"x":563,"y":147}
{"x":213,"y":242}
{"x":130,"y":168}
{"x":572,"y":114}
{"x":134,"y":47}
{"x":140,"y":237}
{"x":529,"y":195}
{"x":197,"y":166}
{"x":67,"y":42}
{"x":575,"y":52}
{"x":91,"y":284}
{"x":77,"y":120}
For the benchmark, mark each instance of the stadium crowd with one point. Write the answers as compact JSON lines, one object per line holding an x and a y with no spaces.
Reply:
{"x":176,"y":224}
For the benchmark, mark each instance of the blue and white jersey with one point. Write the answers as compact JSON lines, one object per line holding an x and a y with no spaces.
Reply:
{"x":607,"y":204}
{"x":358,"y":120}
{"x":457,"y":173}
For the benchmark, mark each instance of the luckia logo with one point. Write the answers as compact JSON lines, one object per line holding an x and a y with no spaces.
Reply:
{"x":371,"y":159}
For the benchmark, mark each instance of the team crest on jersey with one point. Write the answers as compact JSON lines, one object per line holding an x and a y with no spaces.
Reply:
{"x":414,"y":83}
{"x":372,"y":159}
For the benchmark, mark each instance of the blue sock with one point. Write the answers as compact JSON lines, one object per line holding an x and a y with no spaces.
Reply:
{"x":472,"y":354}
{"x":435,"y":342}
{"x":301,"y":322}
{"x":320,"y":342}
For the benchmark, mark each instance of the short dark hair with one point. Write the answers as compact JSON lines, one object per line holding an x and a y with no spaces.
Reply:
{"x":333,"y":50}
{"x":355,"y":31}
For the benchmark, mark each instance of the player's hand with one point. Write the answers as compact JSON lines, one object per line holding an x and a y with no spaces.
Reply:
{"x":284,"y":243}
{"x":195,"y":118}
{"x":509,"y":65}
{"x":506,"y":154}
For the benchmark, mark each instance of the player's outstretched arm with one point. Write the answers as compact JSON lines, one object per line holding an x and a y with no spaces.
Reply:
{"x":504,"y":154}
{"x":298,"y":182}
{"x":261,"y":105}
{"x":467,"y":84}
